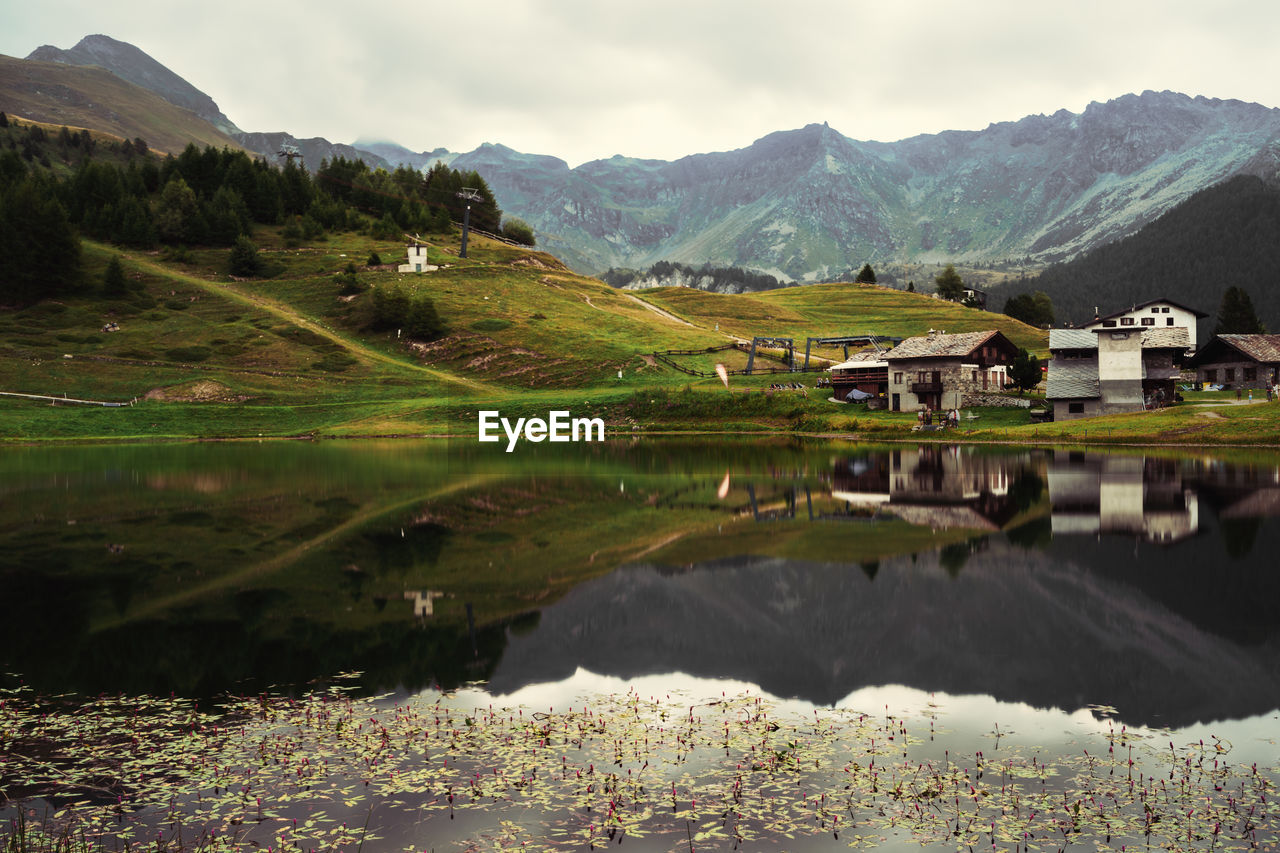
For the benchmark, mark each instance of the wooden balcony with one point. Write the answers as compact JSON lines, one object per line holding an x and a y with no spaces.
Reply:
{"x":926,"y":388}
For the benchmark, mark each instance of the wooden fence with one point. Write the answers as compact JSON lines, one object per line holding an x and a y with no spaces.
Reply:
{"x":665,"y":357}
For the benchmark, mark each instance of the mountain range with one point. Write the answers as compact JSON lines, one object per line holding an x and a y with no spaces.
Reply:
{"x":812,"y":204}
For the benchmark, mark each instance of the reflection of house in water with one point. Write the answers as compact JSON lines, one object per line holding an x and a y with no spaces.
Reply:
{"x":1238,"y":491}
{"x":423,"y":601}
{"x":1122,"y":494}
{"x":937,"y":487}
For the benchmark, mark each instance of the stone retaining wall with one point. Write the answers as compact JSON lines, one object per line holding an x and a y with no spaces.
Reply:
{"x":978,"y":399}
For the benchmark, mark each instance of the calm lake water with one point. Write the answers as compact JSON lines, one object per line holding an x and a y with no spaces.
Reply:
{"x":1027,"y":604}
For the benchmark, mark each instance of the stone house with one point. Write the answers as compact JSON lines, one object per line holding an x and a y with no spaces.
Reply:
{"x":938,"y":371}
{"x":1112,"y":369}
{"x":1239,"y":361}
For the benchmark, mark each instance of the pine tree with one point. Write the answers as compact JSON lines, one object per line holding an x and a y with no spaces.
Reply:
{"x":114,"y":284}
{"x":867,"y":275}
{"x":1025,"y":372}
{"x":423,"y":322}
{"x":39,"y":248}
{"x":244,"y":261}
{"x":176,"y":211}
{"x":950,"y":285}
{"x":1236,"y":315}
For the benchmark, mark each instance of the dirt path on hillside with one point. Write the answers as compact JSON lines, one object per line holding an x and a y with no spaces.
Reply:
{"x":291,"y":315}
{"x":660,"y":312}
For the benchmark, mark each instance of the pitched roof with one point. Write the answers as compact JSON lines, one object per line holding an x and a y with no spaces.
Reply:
{"x":1162,"y":337}
{"x":866,"y":358}
{"x":1167,"y":337}
{"x":1141,"y":305}
{"x":1257,"y":347}
{"x":1072,"y":381}
{"x":940,"y":345}
{"x":1072,"y":339}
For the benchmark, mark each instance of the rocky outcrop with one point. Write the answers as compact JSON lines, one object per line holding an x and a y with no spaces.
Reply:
{"x":129,"y":63}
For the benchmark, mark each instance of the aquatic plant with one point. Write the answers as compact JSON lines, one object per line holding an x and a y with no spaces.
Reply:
{"x":330,"y":771}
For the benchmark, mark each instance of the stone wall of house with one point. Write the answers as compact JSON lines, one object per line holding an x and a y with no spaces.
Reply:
{"x":958,"y":381}
{"x":977,"y":398}
{"x":1263,"y":374}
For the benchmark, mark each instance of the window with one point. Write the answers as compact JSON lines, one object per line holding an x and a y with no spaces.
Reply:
{"x":1164,"y":310}
{"x":1250,"y":374}
{"x":897,"y":379}
{"x":1109,"y":324}
{"x":1155,"y":310}
{"x":1148,"y":321}
{"x":974,"y":380}
{"x":1229,"y":374}
{"x":1075,"y":408}
{"x":1126,"y":321}
{"x":1211,"y":376}
{"x":1168,"y":321}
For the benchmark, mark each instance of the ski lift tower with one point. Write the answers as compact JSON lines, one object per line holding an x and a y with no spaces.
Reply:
{"x":469,"y":195}
{"x":289,"y":152}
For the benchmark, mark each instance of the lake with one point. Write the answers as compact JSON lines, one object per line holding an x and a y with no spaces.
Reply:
{"x":677,"y":644}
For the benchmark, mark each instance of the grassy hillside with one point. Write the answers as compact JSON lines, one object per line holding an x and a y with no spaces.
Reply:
{"x":205,"y":355}
{"x":831,"y":310}
{"x":198,"y":354}
{"x":93,"y":98}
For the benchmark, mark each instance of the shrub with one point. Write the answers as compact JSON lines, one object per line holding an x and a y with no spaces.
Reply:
{"x":375,"y":260}
{"x":177,"y":255}
{"x":334,"y":362}
{"x":518,"y":231}
{"x":415,"y":317}
{"x":192,"y":353}
{"x":244,"y":261}
{"x":114,"y":284}
{"x":292,"y":233}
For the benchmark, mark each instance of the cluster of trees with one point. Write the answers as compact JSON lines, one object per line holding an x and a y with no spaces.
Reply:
{"x":39,"y":249}
{"x":1034,"y":309}
{"x":705,"y":277}
{"x":414,"y":317}
{"x":55,"y":187}
{"x":1236,"y":315}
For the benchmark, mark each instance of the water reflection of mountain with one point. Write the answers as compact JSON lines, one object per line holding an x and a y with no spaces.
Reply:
{"x":1015,"y":624}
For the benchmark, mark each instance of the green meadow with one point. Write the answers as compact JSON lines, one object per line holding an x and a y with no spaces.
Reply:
{"x":195,"y":354}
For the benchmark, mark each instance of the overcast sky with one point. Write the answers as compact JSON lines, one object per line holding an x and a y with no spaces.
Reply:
{"x":587,"y":79}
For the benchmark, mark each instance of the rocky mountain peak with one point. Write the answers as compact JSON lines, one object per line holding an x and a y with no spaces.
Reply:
{"x":134,"y":65}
